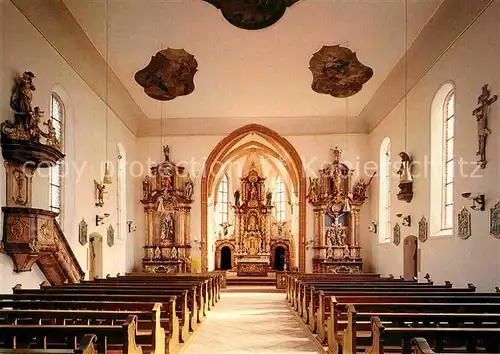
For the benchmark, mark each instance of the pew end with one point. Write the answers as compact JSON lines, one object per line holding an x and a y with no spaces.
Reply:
{"x":421,"y":346}
{"x":471,"y":286}
{"x":86,"y":344}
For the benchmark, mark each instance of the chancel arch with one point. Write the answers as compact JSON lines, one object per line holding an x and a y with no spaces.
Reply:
{"x":278,"y":157}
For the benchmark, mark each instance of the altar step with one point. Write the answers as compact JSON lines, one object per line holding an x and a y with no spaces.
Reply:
{"x":250,"y":281}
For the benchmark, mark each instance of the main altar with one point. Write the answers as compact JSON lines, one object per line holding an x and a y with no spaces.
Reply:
{"x":252,"y":218}
{"x":167,"y":198}
{"x":337,"y":204}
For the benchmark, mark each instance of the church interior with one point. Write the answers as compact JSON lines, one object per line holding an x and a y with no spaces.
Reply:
{"x":283,"y":175}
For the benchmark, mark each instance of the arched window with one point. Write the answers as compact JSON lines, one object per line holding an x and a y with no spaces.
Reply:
{"x":448,"y":161}
{"x":442,"y":158}
{"x":121,"y":192}
{"x":280,"y":199}
{"x":384,"y":209}
{"x":56,"y":172}
{"x":223,"y":199}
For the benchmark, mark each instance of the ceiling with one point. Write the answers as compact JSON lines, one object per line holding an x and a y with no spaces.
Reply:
{"x":250,"y":74}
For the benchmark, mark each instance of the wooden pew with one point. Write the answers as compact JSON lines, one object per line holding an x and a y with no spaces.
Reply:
{"x":151,"y":335}
{"x":327,"y":303}
{"x":193,"y":299}
{"x":468,"y":337}
{"x":330,"y":333}
{"x":360,"y":322}
{"x":121,"y":337}
{"x":169,"y":320}
{"x":85,"y":346}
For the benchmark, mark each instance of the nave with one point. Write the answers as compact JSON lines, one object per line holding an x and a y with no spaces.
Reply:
{"x":252,"y":320}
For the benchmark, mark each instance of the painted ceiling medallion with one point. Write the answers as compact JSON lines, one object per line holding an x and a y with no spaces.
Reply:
{"x":168,"y":75}
{"x":338,"y":72}
{"x":252,"y":14}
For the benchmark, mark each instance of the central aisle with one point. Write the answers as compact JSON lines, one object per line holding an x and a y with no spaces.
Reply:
{"x":251,"y":322}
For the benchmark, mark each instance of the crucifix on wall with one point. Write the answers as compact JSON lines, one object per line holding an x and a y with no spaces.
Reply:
{"x":481,"y":113}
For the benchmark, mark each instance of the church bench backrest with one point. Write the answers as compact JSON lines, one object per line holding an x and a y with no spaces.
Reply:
{"x":361,"y":321}
{"x":85,"y":346}
{"x":123,"y":336}
{"x":167,"y":314}
{"x":185,"y":304}
{"x":468,"y":337}
{"x":147,"y":320}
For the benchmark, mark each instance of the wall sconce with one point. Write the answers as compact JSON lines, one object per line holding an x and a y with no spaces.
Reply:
{"x":478,"y":202}
{"x":406,"y":219}
{"x":131,"y":226}
{"x":308,"y":244}
{"x":373,"y":227}
{"x":99,"y":219}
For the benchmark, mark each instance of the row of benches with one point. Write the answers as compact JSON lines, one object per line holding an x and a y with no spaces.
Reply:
{"x":373,"y":314}
{"x":136,"y":313}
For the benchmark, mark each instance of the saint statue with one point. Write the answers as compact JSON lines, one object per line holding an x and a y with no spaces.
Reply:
{"x":166,"y":153}
{"x":188,"y":188}
{"x":269,"y":198}
{"x":253,"y":192}
{"x":21,"y":99}
{"x":145,"y":187}
{"x":237,"y":197}
{"x":313,"y":194}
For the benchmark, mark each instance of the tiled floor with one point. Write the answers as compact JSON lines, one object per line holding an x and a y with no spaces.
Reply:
{"x":251,"y":322}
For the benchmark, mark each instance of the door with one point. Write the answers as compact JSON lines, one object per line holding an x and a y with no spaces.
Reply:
{"x":410,"y":249}
{"x":225,"y":258}
{"x":279,"y":258}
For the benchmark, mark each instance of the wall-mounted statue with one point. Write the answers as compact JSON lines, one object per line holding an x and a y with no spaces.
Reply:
{"x":254,"y":14}
{"x":100,"y":191}
{"x":338,"y":72}
{"x":169,"y":74}
{"x":405,"y":178}
{"x":360,"y":188}
{"x":237,"y":197}
{"x":481,"y":113}
{"x":27,"y":118}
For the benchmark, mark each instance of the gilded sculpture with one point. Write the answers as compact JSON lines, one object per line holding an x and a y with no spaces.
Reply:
{"x":338,"y":72}
{"x":481,"y":113}
{"x":100,"y":191}
{"x":360,"y":188}
{"x":27,"y":118}
{"x":253,"y":14}
{"x":169,"y":74}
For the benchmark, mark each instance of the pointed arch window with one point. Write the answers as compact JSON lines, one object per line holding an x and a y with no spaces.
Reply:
{"x":385,"y":191}
{"x":280,"y":199}
{"x":56,"y":172}
{"x":223,"y":200}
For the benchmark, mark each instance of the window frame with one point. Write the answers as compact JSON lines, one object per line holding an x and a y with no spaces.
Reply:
{"x":447,"y":225}
{"x":223,"y":200}
{"x":59,"y":180}
{"x":280,"y":195}
{"x":385,"y":191}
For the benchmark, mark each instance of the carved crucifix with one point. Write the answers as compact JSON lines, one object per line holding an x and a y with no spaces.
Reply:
{"x":484,"y":101}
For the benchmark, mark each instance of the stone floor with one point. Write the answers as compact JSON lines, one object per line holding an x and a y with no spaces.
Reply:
{"x":251,"y":322}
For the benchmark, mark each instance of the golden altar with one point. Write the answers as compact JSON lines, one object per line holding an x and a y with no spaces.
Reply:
{"x":252,"y":266}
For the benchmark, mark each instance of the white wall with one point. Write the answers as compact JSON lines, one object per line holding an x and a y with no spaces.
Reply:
{"x":470,"y":63}
{"x":23,"y":48}
{"x":313,"y":150}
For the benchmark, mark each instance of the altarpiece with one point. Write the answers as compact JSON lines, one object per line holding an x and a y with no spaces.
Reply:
{"x":337,"y":207}
{"x":167,"y":199}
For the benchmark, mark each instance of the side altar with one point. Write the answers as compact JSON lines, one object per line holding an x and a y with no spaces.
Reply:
{"x":252,"y":225}
{"x":337,"y":205}
{"x":167,"y":198}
